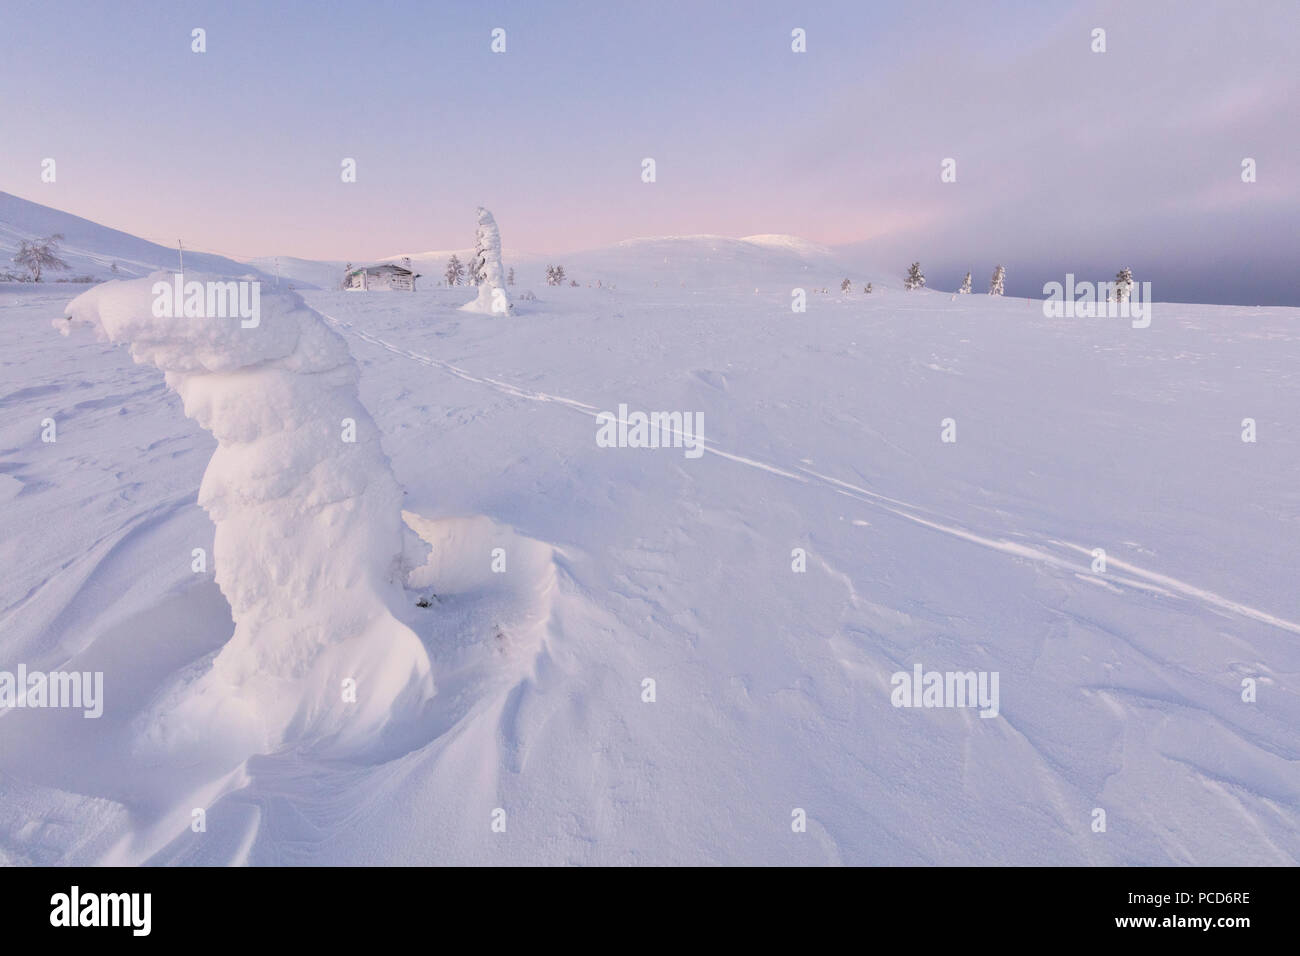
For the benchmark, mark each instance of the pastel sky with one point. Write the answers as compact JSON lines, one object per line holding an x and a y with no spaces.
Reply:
{"x":1067,"y":160}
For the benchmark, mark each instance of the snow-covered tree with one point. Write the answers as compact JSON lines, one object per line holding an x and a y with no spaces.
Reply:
{"x":845,"y":286}
{"x":555,"y":275}
{"x":915,"y":279}
{"x":965,"y":285}
{"x":510,"y":276}
{"x":486,"y":270}
{"x":999,"y":277}
{"x":573,"y":283}
{"x":37,"y":255}
{"x":1123,"y":284}
{"x":474,"y":268}
{"x":308,"y":526}
{"x":455,"y":271}
{"x":867,"y":290}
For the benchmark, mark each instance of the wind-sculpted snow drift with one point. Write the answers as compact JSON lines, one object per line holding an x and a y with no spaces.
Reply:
{"x":308,"y":525}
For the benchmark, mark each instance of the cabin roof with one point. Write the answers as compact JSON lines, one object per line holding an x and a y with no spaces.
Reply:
{"x":381,"y":268}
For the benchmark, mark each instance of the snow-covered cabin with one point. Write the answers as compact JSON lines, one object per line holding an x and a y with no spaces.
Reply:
{"x":384,"y":278}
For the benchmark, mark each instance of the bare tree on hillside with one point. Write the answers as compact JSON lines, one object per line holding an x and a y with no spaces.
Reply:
{"x":37,"y":255}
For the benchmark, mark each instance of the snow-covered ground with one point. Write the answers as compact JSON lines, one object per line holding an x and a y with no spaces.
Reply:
{"x":1119,"y":690}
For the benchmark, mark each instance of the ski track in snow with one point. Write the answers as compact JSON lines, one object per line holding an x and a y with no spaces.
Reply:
{"x":1151,"y":581}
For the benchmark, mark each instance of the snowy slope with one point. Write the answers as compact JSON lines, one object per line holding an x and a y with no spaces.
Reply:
{"x":92,"y":249}
{"x":768,"y":263}
{"x":1120,"y":690}
{"x":301,"y":273}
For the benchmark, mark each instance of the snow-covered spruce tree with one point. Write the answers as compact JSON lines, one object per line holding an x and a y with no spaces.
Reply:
{"x":510,"y":276}
{"x":1123,"y":284}
{"x":454,"y":271}
{"x":559,"y":275}
{"x":487,"y":271}
{"x":846,"y":286}
{"x":474,"y":268}
{"x":867,"y":290}
{"x":965,"y":285}
{"x":308,"y":525}
{"x":995,"y":284}
{"x":915,"y":279}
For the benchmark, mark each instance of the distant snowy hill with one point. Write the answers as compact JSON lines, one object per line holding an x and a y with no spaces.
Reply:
{"x":302,"y":273}
{"x":92,"y":249}
{"x":768,"y":262}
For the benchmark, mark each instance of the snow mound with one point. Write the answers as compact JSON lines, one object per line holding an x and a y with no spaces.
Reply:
{"x":803,"y":247}
{"x":308,"y":527}
{"x":463,"y":552}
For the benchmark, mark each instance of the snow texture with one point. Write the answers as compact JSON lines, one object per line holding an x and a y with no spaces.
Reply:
{"x":1121,"y":689}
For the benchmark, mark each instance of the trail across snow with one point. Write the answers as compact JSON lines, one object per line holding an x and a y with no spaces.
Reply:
{"x":1152,"y":581}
